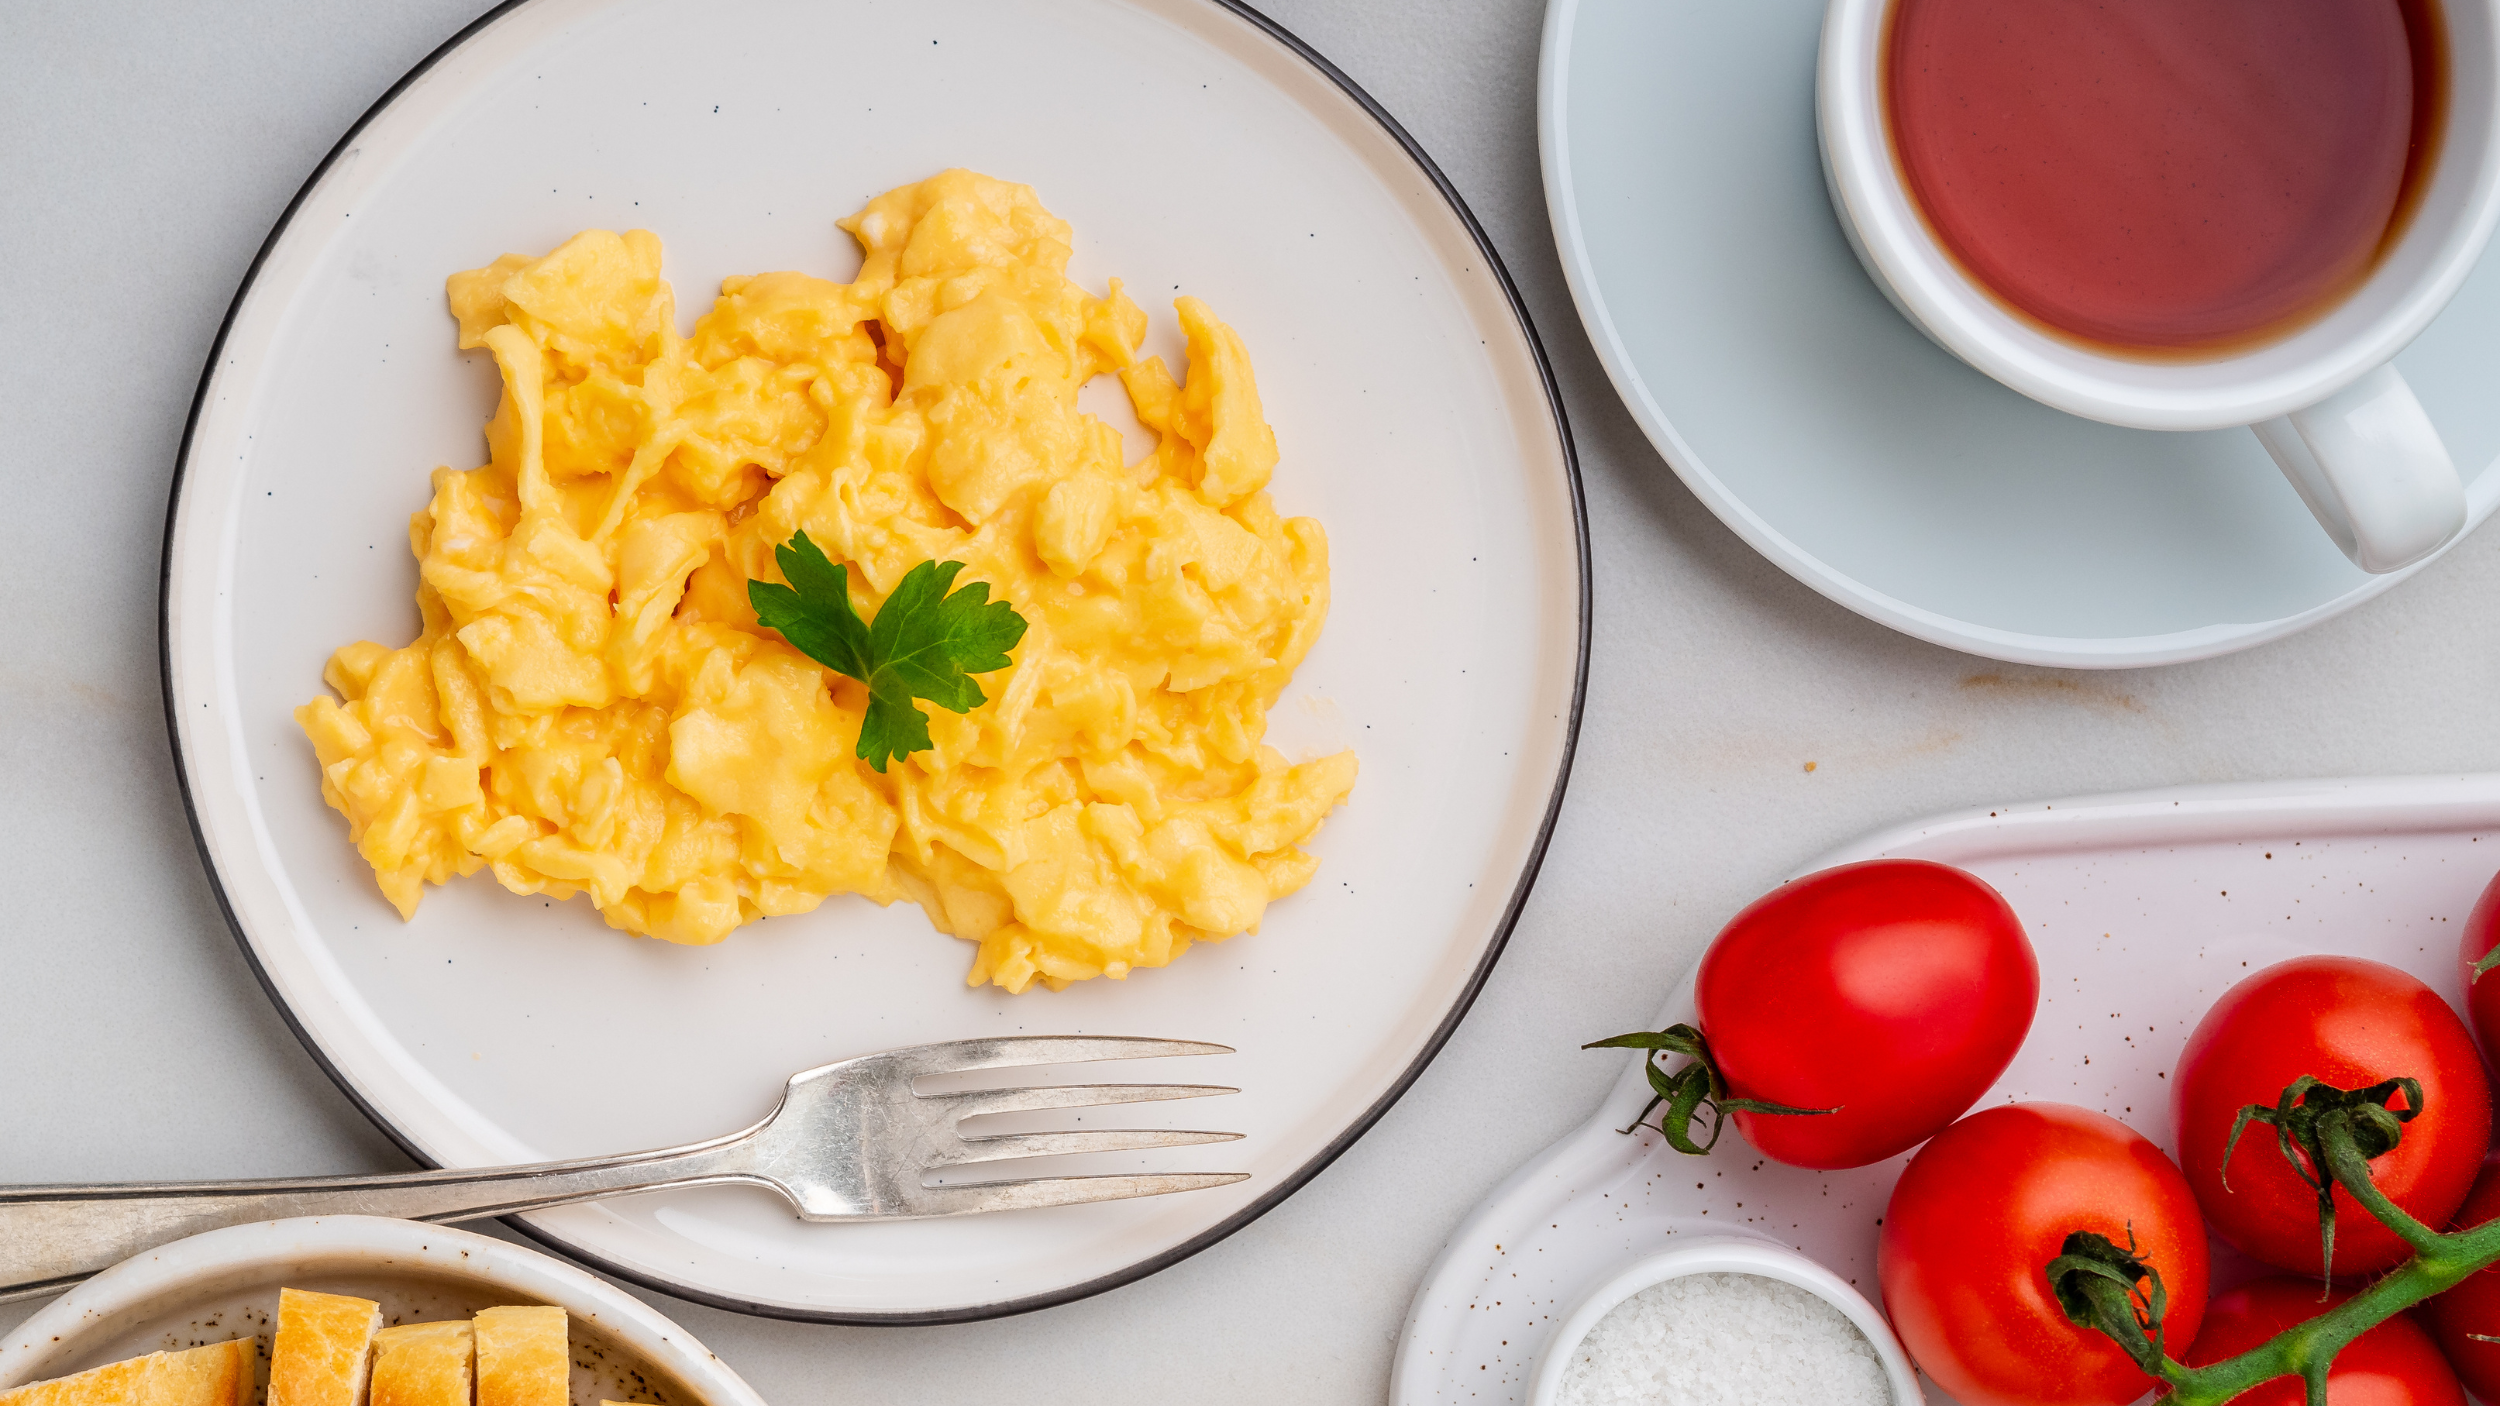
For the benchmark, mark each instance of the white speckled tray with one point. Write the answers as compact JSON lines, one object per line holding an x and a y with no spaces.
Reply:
{"x":2120,"y":894}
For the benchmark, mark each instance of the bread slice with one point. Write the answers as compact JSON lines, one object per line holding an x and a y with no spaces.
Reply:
{"x":423,"y":1364}
{"x":219,"y":1374}
{"x":524,"y":1358}
{"x":324,"y":1349}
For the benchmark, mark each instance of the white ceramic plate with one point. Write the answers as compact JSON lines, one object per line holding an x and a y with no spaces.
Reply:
{"x":2143,"y":908}
{"x":1687,"y":199}
{"x":1195,"y":149}
{"x":224,"y":1284}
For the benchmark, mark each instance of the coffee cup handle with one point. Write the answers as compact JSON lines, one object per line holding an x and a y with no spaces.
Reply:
{"x":2373,"y":471}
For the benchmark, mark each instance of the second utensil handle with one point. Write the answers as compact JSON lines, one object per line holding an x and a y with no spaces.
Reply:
{"x":53,"y":1236}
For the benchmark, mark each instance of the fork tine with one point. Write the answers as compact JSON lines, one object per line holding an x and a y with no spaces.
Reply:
{"x":1004,"y":1146}
{"x":975,"y":1102}
{"x":957,"y":1056}
{"x":1059,"y":1191}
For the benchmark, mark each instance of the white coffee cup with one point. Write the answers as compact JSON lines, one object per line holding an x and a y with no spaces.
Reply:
{"x":2325,"y":402}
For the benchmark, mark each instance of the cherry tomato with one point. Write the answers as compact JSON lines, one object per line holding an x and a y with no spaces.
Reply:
{"x":2393,"y":1364}
{"x":2472,"y":1307}
{"x":1976,"y":1218}
{"x":2351,"y":1023}
{"x":1895,"y":991}
{"x":2482,"y":997}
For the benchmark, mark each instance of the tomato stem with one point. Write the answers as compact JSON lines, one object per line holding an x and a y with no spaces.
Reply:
{"x":1687,"y":1092}
{"x":2340,"y":1139}
{"x":2351,"y":1170}
{"x":2299,"y":1116}
{"x":2485,"y":963}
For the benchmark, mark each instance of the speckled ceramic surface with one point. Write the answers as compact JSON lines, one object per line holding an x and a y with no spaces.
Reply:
{"x":1408,"y":396}
{"x":2143,"y":908}
{"x":224,"y":1284}
{"x":1736,"y":1253}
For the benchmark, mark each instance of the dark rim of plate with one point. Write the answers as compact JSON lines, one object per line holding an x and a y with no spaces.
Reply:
{"x":1150,"y":1265}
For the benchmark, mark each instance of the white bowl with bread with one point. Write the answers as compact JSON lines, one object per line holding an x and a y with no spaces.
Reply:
{"x":355,"y":1311}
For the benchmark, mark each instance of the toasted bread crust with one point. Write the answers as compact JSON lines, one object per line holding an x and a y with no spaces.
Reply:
{"x":323,"y":1350}
{"x":423,"y":1364}
{"x":524,"y":1358}
{"x":219,"y":1374}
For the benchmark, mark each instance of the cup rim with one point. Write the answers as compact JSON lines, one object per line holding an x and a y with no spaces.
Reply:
{"x":1893,"y":240}
{"x":1738,"y":1253}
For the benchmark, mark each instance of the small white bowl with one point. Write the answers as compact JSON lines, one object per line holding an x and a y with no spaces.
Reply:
{"x":1728,"y":1254}
{"x":225,"y":1283}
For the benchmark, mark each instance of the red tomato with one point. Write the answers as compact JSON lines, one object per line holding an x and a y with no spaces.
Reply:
{"x":2473,"y":1306}
{"x":2351,"y":1023}
{"x":1976,"y":1218}
{"x":2393,"y":1364}
{"x":1895,"y":991}
{"x":2482,"y":998}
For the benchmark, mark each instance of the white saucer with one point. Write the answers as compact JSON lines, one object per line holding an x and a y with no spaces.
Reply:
{"x":1688,"y":204}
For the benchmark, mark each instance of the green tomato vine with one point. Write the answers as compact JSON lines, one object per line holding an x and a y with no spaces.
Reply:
{"x":2317,"y":1126}
{"x":1683,"y":1098}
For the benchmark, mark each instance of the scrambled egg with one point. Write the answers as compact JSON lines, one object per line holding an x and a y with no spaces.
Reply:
{"x":592,"y":707}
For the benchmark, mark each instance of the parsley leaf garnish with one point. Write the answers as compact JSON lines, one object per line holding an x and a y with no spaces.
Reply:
{"x":924,"y":644}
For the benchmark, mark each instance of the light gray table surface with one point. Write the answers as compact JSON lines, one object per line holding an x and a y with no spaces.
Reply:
{"x":145,"y":150}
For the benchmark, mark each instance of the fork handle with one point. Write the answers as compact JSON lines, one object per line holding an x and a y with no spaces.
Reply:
{"x":53,"y":1236}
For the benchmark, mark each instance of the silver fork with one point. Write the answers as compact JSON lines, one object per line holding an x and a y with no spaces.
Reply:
{"x":848,"y":1142}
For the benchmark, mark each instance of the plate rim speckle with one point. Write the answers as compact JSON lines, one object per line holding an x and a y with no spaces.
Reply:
{"x":187,"y":765}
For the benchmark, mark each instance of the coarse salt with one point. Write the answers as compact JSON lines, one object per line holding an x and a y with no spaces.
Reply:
{"x":1724,"y":1340}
